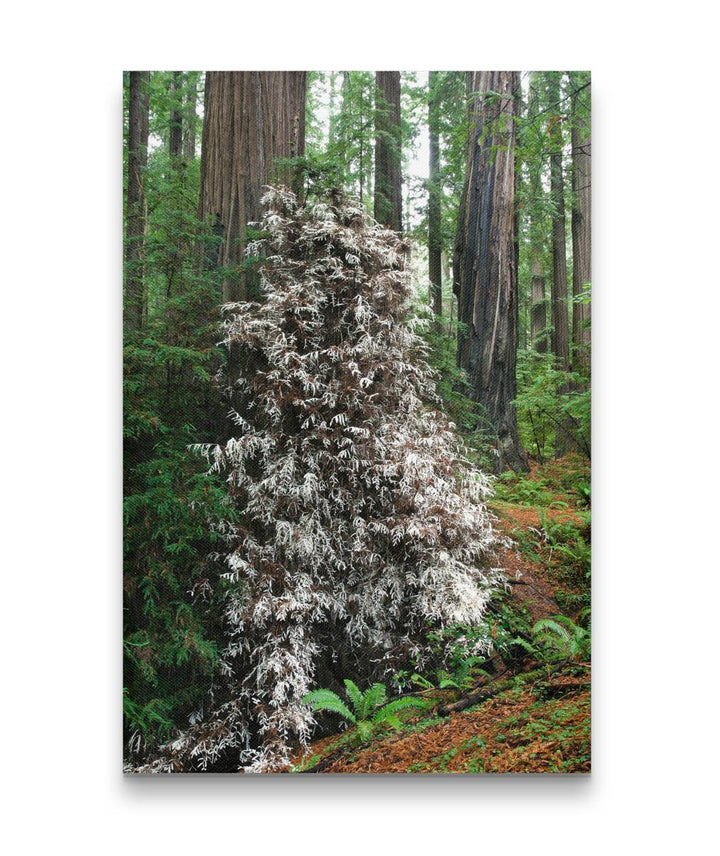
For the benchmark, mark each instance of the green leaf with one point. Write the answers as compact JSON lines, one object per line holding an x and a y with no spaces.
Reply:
{"x":403,"y":703}
{"x":373,"y":698}
{"x":328,"y":700}
{"x":354,"y":694}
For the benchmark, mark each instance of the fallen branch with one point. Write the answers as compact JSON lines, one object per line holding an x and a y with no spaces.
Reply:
{"x":496,"y":687}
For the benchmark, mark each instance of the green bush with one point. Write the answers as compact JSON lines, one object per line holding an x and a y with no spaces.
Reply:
{"x":553,"y":406}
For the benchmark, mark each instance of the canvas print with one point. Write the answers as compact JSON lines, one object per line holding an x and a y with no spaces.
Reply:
{"x":357,"y":422}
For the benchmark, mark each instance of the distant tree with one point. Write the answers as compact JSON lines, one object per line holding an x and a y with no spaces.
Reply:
{"x":581,"y":141}
{"x":350,"y":132}
{"x":434,"y":198}
{"x":191,"y":117}
{"x":536,"y":209}
{"x":251,"y":118}
{"x":174,"y":247}
{"x":388,"y":150}
{"x":559,"y":291}
{"x":176,"y":116}
{"x":486,"y":259}
{"x":135,"y":298}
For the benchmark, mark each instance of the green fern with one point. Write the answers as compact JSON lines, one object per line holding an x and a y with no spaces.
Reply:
{"x":328,"y":700}
{"x":561,"y":638}
{"x":372,"y":709}
{"x":420,"y":681}
{"x":389,"y":711}
{"x":355,"y":695}
{"x":373,"y":698}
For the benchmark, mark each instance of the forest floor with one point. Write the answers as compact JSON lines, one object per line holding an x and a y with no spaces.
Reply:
{"x":530,"y":713}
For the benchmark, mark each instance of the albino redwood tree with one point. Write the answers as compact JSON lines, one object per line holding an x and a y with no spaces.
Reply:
{"x":362,"y":523}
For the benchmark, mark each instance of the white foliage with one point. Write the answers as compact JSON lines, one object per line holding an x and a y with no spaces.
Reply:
{"x":362,"y":521}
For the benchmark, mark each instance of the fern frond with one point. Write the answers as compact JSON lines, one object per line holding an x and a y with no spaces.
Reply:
{"x":328,"y":700}
{"x":364,"y":731}
{"x":523,"y":643}
{"x":354,"y":694}
{"x":393,"y":720}
{"x":373,"y":698}
{"x":565,"y":621}
{"x":550,"y":625}
{"x":445,"y":680}
{"x":422,"y":682}
{"x":397,"y":704}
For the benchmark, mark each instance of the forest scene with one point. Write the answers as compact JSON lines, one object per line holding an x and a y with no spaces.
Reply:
{"x":357,"y":422}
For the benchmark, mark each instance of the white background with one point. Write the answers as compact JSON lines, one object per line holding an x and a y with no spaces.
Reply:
{"x":655,"y":316}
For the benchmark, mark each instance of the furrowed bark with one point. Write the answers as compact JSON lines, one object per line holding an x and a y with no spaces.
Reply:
{"x":135,"y":298}
{"x":388,"y":179}
{"x":485,"y":267}
{"x":251,"y":118}
{"x":581,"y":224}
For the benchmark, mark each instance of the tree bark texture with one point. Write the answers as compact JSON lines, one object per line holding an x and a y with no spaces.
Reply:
{"x":251,"y":118}
{"x":559,"y":338}
{"x":388,"y":179}
{"x":189,"y":135}
{"x":175,"y":150}
{"x":176,"y":123}
{"x":485,"y":266}
{"x":135,"y":302}
{"x":434,"y":201}
{"x":538,"y":305}
{"x":581,"y":226}
{"x":538,"y":313}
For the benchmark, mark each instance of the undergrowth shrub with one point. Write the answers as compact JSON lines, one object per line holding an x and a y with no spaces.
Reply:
{"x":359,"y":522}
{"x":553,"y":406}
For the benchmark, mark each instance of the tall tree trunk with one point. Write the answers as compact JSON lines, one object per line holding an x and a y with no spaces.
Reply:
{"x":251,"y":118}
{"x":445,"y":265}
{"x":135,"y":303}
{"x":175,"y":141}
{"x":559,"y":290}
{"x":485,"y":266}
{"x":538,"y":316}
{"x":190,"y":119}
{"x":581,"y":226}
{"x":176,"y":124}
{"x":538,"y":305}
{"x":434,"y":199}
{"x":388,"y":179}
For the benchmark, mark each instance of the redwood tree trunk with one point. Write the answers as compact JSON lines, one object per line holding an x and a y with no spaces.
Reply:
{"x":251,"y":118}
{"x":135,"y":302}
{"x":581,"y":226}
{"x":176,"y":129}
{"x":538,"y":305}
{"x":190,"y":120}
{"x":388,"y":179}
{"x":434,"y":200}
{"x":538,"y":315}
{"x":175,"y":149}
{"x":559,"y":339}
{"x":485,"y":267}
